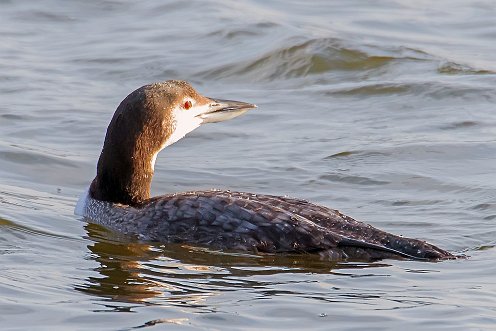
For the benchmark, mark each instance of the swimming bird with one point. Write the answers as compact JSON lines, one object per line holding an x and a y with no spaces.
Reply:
{"x":157,"y":115}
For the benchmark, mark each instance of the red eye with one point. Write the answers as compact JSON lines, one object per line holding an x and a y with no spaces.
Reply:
{"x":187,"y":105}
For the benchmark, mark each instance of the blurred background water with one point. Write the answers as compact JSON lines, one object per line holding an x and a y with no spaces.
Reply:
{"x":383,"y":110}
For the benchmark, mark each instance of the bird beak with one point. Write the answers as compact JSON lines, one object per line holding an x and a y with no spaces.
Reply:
{"x":222,"y":110}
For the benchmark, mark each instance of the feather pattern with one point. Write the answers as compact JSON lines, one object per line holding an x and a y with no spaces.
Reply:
{"x":258,"y":223}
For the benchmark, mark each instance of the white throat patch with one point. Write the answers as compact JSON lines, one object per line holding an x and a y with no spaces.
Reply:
{"x":185,"y":121}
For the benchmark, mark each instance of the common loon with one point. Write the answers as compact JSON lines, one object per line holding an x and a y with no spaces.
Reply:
{"x":157,"y":115}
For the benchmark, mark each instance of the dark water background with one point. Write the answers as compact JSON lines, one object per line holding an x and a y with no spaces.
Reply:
{"x":382,"y":109}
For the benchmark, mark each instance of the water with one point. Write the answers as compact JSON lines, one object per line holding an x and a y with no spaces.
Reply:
{"x":384,"y":110}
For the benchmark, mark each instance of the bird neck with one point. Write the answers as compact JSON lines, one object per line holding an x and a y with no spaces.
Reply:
{"x":135,"y":135}
{"x":123,"y":179}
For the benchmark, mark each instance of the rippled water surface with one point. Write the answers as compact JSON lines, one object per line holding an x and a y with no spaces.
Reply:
{"x":384,"y":110}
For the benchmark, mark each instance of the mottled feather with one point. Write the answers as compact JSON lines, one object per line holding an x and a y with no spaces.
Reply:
{"x":259,"y":223}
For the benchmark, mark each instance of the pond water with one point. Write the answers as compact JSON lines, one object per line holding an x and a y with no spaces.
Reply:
{"x":383,"y":110}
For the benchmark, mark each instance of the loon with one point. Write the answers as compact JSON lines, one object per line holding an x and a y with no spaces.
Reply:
{"x":157,"y":115}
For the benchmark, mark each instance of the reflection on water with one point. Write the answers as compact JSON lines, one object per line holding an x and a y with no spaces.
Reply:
{"x":184,"y":275}
{"x":119,"y":274}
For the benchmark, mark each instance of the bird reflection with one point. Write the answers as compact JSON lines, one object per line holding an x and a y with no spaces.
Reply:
{"x":135,"y":272}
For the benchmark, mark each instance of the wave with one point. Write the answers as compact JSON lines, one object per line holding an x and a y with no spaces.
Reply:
{"x":327,"y":56}
{"x":299,"y":59}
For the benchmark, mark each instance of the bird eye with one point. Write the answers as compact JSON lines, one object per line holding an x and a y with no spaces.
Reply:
{"x":187,"y":105}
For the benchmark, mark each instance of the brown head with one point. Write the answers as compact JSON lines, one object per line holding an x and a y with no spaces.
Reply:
{"x":147,"y":120}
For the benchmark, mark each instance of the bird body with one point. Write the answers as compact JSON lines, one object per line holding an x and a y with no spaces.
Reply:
{"x":157,"y":115}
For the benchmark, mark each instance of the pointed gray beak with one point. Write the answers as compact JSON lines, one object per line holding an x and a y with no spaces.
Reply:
{"x":223,"y":110}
